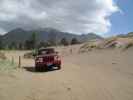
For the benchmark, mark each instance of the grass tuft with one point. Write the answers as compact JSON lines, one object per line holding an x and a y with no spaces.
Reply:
{"x":7,"y":65}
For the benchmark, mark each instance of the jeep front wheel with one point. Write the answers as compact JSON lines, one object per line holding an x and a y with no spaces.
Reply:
{"x":59,"y":67}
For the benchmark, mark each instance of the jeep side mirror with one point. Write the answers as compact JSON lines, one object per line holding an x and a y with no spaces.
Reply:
{"x":56,"y":52}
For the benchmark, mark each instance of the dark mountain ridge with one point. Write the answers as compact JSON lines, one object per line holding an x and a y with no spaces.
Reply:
{"x":20,"y":35}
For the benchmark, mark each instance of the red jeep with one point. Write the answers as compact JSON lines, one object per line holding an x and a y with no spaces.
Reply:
{"x":47,"y":59}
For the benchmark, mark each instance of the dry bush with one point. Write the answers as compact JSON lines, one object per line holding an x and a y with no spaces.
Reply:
{"x":109,"y":43}
{"x":89,"y":46}
{"x":129,"y":45}
{"x":29,"y":55}
{"x":2,"y":56}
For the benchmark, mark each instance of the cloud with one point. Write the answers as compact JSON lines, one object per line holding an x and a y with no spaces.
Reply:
{"x":77,"y":16}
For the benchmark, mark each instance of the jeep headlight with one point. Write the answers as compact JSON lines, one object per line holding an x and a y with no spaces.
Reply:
{"x":56,"y":58}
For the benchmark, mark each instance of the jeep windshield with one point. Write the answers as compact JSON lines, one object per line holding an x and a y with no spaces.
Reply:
{"x":45,"y":51}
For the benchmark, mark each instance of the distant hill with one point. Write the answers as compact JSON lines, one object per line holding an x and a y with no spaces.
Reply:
{"x":130,"y":34}
{"x":20,"y":35}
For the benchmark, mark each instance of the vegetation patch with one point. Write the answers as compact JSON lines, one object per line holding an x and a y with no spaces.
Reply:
{"x":7,"y":65}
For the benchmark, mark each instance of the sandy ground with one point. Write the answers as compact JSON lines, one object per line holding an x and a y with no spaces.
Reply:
{"x":97,"y":75}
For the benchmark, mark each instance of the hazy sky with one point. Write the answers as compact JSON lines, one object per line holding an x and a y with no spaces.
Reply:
{"x":77,"y":16}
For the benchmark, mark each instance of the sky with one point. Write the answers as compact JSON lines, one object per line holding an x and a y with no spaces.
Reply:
{"x":122,"y":23}
{"x":103,"y":17}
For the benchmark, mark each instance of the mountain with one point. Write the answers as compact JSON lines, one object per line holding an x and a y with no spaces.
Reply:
{"x":16,"y":35}
{"x":130,"y":34}
{"x":20,"y":35}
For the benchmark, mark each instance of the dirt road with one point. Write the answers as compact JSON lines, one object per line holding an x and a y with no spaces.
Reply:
{"x":104,"y":75}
